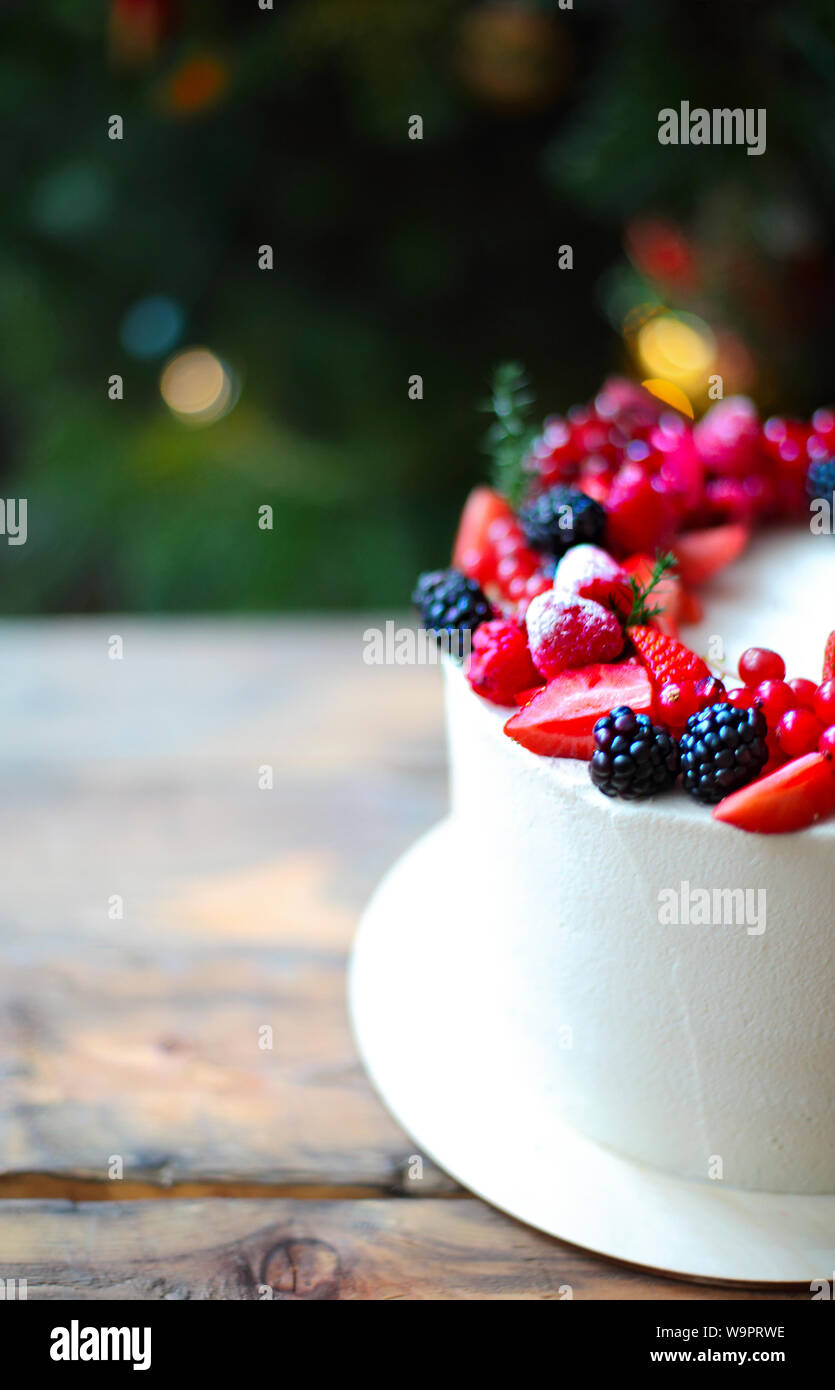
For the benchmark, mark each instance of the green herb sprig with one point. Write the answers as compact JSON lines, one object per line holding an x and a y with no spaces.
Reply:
{"x":642,"y":611}
{"x":512,"y":432}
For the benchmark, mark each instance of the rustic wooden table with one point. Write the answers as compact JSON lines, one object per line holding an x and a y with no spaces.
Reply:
{"x":164,"y":918}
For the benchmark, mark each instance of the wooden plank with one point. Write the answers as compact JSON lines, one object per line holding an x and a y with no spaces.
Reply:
{"x":422,"y":1249}
{"x":141,"y":1038}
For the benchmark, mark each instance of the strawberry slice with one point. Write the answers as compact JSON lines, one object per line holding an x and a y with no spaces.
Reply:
{"x":792,"y":798}
{"x":666,"y":658}
{"x":558,"y":721}
{"x":701,"y":554}
{"x":474,"y":550}
{"x":829,"y":659}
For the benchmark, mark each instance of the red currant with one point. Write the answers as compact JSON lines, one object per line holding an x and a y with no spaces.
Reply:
{"x":709,"y":691}
{"x":742,"y":697}
{"x":798,"y":732}
{"x":676,"y":701}
{"x":804,"y":693}
{"x":776,"y":698}
{"x":825,"y":703}
{"x":758,"y":664}
{"x":826,"y":743}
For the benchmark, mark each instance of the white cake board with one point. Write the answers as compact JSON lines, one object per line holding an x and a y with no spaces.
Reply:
{"x":417,"y":1011}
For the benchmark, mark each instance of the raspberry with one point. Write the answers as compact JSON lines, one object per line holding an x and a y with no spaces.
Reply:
{"x":563,"y":635}
{"x":586,"y":571}
{"x":500,"y":664}
{"x":633,"y":757}
{"x":448,"y":601}
{"x":561,"y":517}
{"x":759,"y":664}
{"x":798,"y":732}
{"x":825,"y":702}
{"x":722,"y":748}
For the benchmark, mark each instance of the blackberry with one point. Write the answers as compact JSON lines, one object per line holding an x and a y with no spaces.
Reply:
{"x":448,"y":601}
{"x":722,"y":748}
{"x":820,"y":480}
{"x":555,"y":520}
{"x":633,"y":756}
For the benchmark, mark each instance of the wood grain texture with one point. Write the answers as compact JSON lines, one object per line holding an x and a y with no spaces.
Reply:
{"x":141,"y":1038}
{"x":455,"y":1249}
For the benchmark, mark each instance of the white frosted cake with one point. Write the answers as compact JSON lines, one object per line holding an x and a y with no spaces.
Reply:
{"x":659,"y":958}
{"x":675,"y":1043}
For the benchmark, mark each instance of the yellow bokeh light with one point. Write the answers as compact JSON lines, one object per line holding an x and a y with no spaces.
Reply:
{"x":196,"y":386}
{"x":670,"y":394}
{"x":677,"y":348}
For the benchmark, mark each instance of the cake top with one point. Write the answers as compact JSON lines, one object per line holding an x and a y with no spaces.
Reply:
{"x":574,"y":574}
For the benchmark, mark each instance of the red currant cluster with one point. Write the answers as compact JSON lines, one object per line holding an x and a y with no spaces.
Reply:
{"x":657,"y":473}
{"x":800,"y":714}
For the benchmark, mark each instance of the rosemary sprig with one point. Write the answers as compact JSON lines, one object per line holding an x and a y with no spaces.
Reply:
{"x":642,"y":612}
{"x":512,"y":433}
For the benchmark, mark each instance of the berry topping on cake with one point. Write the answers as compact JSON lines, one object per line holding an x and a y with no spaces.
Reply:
{"x":561,"y":517}
{"x":722,"y":748}
{"x":820,"y":480}
{"x":581,"y":561}
{"x":791,"y":798}
{"x":500,"y":665}
{"x":559,"y":720}
{"x":665,"y":657}
{"x":564,"y":634}
{"x":586,"y":571}
{"x":701,"y":554}
{"x":633,"y":757}
{"x":448,"y":601}
{"x":759,"y":664}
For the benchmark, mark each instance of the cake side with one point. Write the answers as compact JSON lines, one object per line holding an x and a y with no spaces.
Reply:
{"x":699,"y":1048}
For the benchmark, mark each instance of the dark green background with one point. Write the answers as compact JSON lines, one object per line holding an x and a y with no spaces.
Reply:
{"x":393,"y":257}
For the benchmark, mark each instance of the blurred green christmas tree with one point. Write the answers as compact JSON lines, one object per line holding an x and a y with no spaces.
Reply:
{"x":393,"y":257}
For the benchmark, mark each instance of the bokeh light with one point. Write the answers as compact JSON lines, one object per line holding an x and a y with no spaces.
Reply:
{"x":197,"y":387}
{"x":71,"y":200}
{"x":677,"y":347}
{"x":670,"y":394}
{"x":152,"y":326}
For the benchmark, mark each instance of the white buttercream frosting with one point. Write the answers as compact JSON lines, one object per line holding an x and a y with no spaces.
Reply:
{"x":706,"y":1049}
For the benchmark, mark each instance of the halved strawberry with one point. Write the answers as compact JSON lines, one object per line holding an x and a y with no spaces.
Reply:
{"x":666,"y":595}
{"x":703,"y":553}
{"x":666,"y":658}
{"x":474,"y":551}
{"x":792,"y":798}
{"x":558,"y":721}
{"x":829,"y":659}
